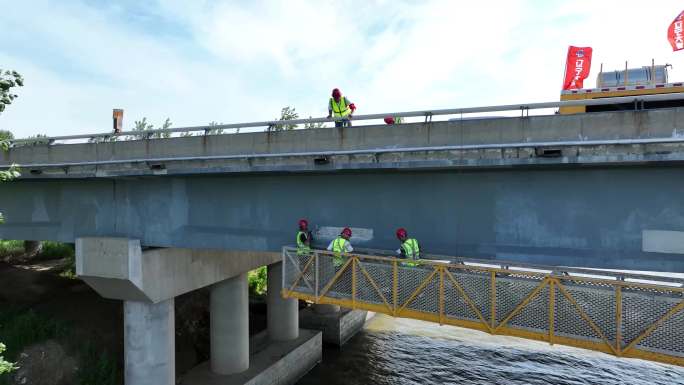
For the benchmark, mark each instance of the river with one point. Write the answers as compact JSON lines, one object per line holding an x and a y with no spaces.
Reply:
{"x":403,"y":351}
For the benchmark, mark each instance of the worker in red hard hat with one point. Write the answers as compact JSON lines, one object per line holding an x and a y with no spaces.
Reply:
{"x":341,"y":245}
{"x":304,"y":238}
{"x":341,"y":108}
{"x":409,"y":248}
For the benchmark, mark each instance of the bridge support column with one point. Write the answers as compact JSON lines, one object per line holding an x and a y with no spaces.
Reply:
{"x":149,"y":343}
{"x":229,"y":326}
{"x":282,"y":314}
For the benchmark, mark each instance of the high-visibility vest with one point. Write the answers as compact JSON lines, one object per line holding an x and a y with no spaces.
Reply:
{"x":338,"y":248}
{"x":341,"y":108}
{"x":302,"y":248}
{"x":411,"y":250}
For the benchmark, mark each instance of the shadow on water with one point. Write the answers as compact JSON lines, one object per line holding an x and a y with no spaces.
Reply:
{"x":401,"y":351}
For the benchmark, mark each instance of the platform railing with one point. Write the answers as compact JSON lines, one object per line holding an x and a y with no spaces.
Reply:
{"x":614,"y":316}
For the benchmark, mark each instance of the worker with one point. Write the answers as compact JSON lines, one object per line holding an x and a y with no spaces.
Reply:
{"x":409,"y":248}
{"x":394,"y":120}
{"x":340,"y":245}
{"x":304,"y":238}
{"x":340,"y":107}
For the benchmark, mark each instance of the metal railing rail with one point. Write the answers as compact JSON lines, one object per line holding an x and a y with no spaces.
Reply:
{"x":504,"y":264}
{"x":625,"y":319}
{"x":427,"y":114}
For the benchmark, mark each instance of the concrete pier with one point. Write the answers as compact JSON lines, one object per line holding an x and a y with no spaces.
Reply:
{"x":149,"y":349}
{"x":230,"y":326}
{"x":283,"y":315}
{"x":337,"y":326}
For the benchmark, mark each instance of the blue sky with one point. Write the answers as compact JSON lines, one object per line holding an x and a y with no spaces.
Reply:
{"x":233,"y":61}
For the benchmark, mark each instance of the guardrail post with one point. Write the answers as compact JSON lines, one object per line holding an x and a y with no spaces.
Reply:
{"x":353,"y":266}
{"x":618,"y":320}
{"x":492,"y":294}
{"x":441,"y":295}
{"x":395,"y":286}
{"x":316,"y":273}
{"x":552,"y":308}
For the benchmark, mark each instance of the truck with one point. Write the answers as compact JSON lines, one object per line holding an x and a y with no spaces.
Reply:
{"x":646,"y":80}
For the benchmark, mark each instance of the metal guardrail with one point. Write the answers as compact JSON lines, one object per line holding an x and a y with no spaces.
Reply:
{"x":427,"y":114}
{"x":625,"y":319}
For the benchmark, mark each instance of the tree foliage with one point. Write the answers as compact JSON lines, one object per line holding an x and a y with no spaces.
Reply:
{"x":143,"y":125}
{"x":8,"y":80}
{"x":287,"y":113}
{"x":5,"y":366}
{"x":6,"y":135}
{"x":314,"y":125}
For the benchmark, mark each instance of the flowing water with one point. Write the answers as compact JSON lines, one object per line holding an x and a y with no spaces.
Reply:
{"x":401,"y":351}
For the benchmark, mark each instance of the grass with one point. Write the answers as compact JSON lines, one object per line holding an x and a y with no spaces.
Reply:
{"x":8,"y":248}
{"x":21,"y":329}
{"x":51,"y":250}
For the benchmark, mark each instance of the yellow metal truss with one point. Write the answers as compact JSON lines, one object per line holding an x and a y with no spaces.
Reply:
{"x":443,"y":274}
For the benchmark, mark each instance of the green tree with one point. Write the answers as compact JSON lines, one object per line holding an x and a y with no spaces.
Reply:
{"x":287,"y":113}
{"x":8,"y":80}
{"x":6,"y":135}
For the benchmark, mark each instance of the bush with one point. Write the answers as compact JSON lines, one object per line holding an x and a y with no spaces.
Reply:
{"x":11,"y":248}
{"x":257,"y":281}
{"x":57,"y":250}
{"x":5,"y":366}
{"x":21,"y":329}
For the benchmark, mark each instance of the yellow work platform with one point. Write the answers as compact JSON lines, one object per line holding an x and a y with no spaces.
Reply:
{"x":611,"y":314}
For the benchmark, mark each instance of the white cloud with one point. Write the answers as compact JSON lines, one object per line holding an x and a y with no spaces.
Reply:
{"x":241,"y":61}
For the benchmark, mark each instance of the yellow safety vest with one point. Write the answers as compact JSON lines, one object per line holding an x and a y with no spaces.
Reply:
{"x":302,"y":248}
{"x":341,"y":108}
{"x":338,"y":248}
{"x":411,"y":250}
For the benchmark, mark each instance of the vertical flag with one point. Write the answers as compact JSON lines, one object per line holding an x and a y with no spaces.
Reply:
{"x":675,"y":34}
{"x":577,"y":67}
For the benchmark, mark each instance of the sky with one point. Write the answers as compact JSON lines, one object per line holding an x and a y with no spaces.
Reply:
{"x":238,"y":61}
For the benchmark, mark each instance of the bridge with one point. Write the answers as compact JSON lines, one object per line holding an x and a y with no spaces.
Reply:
{"x":155,"y":218}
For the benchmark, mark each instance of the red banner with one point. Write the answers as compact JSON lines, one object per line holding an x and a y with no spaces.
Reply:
{"x":577,"y":67}
{"x":675,"y":34}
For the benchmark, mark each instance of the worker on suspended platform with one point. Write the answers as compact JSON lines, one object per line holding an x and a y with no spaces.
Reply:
{"x":409,"y":248}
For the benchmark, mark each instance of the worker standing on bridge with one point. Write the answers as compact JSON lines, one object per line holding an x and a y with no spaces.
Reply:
{"x":340,"y":107}
{"x":409,"y":248}
{"x":340,"y":245}
{"x":304,"y":238}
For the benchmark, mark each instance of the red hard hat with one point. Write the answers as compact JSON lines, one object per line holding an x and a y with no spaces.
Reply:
{"x":347,"y":231}
{"x":336,"y":93}
{"x":401,"y":233}
{"x":303,"y":223}
{"x":389,"y":120}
